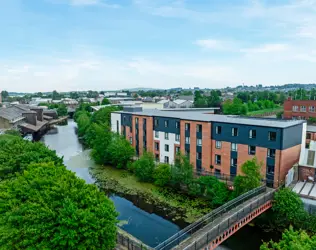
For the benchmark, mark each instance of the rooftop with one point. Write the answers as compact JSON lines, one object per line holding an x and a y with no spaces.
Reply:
{"x":202,"y":116}
{"x":311,"y":128}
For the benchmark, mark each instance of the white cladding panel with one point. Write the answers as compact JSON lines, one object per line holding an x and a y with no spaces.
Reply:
{"x":171,"y":142}
{"x":116,"y":122}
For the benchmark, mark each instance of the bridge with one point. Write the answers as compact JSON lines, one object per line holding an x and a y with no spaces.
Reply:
{"x":215,"y":227}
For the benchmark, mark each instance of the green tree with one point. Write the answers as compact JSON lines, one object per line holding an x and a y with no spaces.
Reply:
{"x":13,"y":132}
{"x":103,"y":116}
{"x":144,"y":167}
{"x":292,"y":240}
{"x":119,"y":152}
{"x":100,"y":143}
{"x":74,"y":95}
{"x":16,"y":154}
{"x":181,"y":171}
{"x":62,"y":110}
{"x":251,"y":178}
{"x":235,"y":107}
{"x":105,"y":101}
{"x":83,"y":123}
{"x":162,"y":174}
{"x":48,"y":207}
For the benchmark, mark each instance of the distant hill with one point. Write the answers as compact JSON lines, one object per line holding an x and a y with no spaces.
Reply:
{"x":140,"y":89}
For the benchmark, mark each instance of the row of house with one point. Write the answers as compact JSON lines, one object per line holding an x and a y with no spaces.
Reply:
{"x":218,"y":144}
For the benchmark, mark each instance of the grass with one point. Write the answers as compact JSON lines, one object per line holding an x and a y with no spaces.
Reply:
{"x":181,"y":206}
{"x":263,"y":111}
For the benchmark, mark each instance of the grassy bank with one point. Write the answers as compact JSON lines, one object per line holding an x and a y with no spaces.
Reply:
{"x":263,"y":111}
{"x":178,"y":206}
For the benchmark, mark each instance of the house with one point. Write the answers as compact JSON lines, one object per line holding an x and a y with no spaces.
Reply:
{"x":218,"y":144}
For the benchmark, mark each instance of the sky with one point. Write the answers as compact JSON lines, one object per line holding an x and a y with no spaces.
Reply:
{"x":73,"y":45}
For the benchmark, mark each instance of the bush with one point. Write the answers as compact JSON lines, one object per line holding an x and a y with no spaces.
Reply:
{"x":162,"y":174}
{"x":13,"y":132}
{"x":144,"y":167}
{"x":182,"y":171}
{"x":48,"y":207}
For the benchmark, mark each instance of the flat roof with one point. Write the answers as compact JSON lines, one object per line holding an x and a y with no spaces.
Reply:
{"x":202,"y":116}
{"x":311,"y":128}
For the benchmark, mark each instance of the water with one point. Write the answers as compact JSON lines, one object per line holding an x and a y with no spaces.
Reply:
{"x":140,"y":219}
{"x":144,"y":224}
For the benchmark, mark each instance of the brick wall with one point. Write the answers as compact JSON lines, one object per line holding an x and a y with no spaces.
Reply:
{"x":224,"y":151}
{"x":304,"y":172}
{"x":284,"y":161}
{"x":288,"y":108}
{"x":206,"y":145}
{"x":150,"y":133}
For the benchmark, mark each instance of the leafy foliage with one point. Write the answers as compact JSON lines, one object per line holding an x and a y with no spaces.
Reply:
{"x":13,"y":132}
{"x":202,"y":101}
{"x":48,"y":207}
{"x":162,"y":174}
{"x":144,"y":167}
{"x":103,"y":116}
{"x":251,"y":178}
{"x":60,"y":108}
{"x":83,"y":122}
{"x":16,"y":154}
{"x":100,"y":142}
{"x":292,"y":240}
{"x":182,"y":171}
{"x":105,"y":101}
{"x":235,"y":107}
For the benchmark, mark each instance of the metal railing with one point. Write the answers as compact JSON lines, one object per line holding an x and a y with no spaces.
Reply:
{"x":220,"y":176}
{"x":177,"y":238}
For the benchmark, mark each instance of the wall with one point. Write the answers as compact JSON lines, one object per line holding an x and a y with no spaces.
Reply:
{"x":116,"y":117}
{"x":261,"y":139}
{"x":288,"y":108}
{"x":4,"y":123}
{"x":162,"y":141}
{"x":293,"y":136}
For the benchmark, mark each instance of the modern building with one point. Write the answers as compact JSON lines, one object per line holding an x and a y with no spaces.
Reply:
{"x":178,"y":104}
{"x":299,"y":109}
{"x":215,"y":143}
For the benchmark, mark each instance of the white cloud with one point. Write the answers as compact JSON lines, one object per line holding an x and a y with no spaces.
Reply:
{"x":267,"y":48}
{"x":101,"y":3}
{"x":213,"y":44}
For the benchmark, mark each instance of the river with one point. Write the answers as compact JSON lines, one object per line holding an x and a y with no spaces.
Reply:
{"x":140,"y":220}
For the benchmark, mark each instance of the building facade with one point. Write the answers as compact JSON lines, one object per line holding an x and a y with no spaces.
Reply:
{"x":214,"y":143}
{"x":299,"y":109}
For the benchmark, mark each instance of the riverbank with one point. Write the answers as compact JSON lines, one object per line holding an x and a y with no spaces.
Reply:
{"x":180,"y":208}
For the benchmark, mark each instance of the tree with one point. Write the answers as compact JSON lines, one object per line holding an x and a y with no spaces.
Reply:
{"x":74,"y":95}
{"x":181,"y":171}
{"x":119,"y":152}
{"x":235,"y":107}
{"x":287,"y":208}
{"x":99,"y":143}
{"x":162,"y":174}
{"x":83,"y":123}
{"x":292,"y":240}
{"x":48,"y":207}
{"x":62,"y":110}
{"x":144,"y":167}
{"x":251,"y":178}
{"x":103,"y":116}
{"x":105,"y":101}
{"x":4,"y":94}
{"x":56,"y":95}
{"x":16,"y":154}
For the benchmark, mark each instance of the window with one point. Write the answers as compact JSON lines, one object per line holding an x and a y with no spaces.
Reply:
{"x":303,"y":108}
{"x":270,"y":169}
{"x":272,"y":136}
{"x":131,"y":140}
{"x":217,"y":172}
{"x":124,"y":119}
{"x":199,"y":156}
{"x":187,"y":140}
{"x":166,"y":136}
{"x":166,"y":159}
{"x":157,"y":146}
{"x":311,"y":108}
{"x":156,"y":122}
{"x":295,"y":108}
{"x":187,"y":126}
{"x":218,"y":159}
{"x":234,"y":131}
{"x":218,"y":144}
{"x":234,"y":147}
{"x":187,"y":153}
{"x":310,"y":157}
{"x":177,"y":124}
{"x":177,"y":137}
{"x":130,"y":120}
{"x":199,"y":142}
{"x":252,"y":150}
{"x":218,"y":130}
{"x":271,"y":153}
{"x":117,"y":126}
{"x":136,"y":132}
{"x":156,"y":134}
{"x":157,"y":157}
{"x":166,"y":147}
{"x":166,"y":124}
{"x":177,"y":150}
{"x":252,"y":133}
{"x":307,"y":145}
{"x":308,"y":136}
{"x":234,"y":162}
{"x":199,"y":128}
{"x":136,"y":120}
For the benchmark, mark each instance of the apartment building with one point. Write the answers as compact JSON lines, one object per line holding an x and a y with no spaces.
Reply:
{"x":216,"y":143}
{"x":299,"y":109}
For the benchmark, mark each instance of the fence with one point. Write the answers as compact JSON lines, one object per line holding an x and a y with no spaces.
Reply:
{"x":224,"y":177}
{"x":208,"y":218}
{"x":127,"y":241}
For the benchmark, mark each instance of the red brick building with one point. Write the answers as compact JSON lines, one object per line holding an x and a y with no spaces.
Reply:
{"x":299,"y":109}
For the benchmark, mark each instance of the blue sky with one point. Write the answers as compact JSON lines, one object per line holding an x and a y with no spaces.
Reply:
{"x":112,"y":44}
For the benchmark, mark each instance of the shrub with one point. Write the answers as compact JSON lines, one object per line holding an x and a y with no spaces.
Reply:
{"x":162,"y":174}
{"x":144,"y":167}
